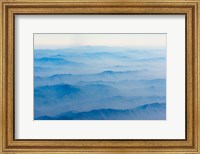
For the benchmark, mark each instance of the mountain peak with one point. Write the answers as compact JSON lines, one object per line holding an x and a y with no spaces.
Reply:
{"x":107,"y":72}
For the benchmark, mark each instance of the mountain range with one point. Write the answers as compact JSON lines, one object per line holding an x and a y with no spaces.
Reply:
{"x":99,"y":83}
{"x":154,"y":111}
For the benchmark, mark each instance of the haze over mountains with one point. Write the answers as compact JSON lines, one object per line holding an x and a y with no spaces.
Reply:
{"x":99,"y":83}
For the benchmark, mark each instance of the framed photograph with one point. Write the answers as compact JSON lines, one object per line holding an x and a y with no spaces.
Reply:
{"x":99,"y":76}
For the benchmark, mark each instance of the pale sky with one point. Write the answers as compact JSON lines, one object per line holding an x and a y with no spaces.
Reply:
{"x":58,"y":41}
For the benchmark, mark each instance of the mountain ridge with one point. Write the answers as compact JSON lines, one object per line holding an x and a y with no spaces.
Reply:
{"x":145,"y":112}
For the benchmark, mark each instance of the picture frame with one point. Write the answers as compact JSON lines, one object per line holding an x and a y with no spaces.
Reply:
{"x":148,"y":7}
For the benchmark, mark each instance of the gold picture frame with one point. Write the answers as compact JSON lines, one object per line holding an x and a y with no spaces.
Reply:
{"x":10,"y":8}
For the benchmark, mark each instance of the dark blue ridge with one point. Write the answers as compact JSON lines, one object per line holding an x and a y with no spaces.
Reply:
{"x":56,"y":90}
{"x":138,"y":113}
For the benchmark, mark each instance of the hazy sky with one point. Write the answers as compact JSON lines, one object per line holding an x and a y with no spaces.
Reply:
{"x":55,"y":41}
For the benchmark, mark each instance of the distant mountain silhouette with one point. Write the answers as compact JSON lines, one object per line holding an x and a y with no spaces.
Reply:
{"x":154,"y":111}
{"x":50,"y":94}
{"x":65,"y":93}
{"x":119,"y":72}
{"x":103,"y":76}
{"x":152,"y":59}
{"x":53,"y":61}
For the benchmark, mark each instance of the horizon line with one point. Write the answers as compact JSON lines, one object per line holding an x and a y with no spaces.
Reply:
{"x":74,"y":46}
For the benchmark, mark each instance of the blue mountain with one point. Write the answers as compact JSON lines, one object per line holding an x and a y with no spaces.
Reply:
{"x":51,"y":94}
{"x":58,"y":89}
{"x":55,"y":95}
{"x":53,"y":61}
{"x":154,"y":111}
{"x":104,"y":76}
{"x":119,"y":72}
{"x":152,"y":59}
